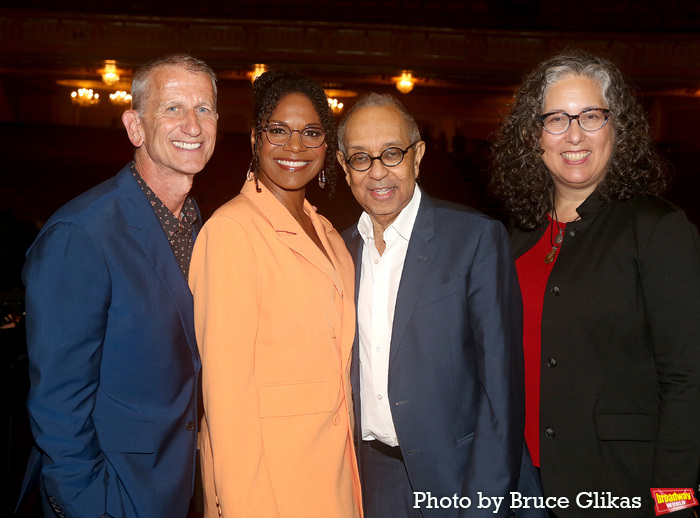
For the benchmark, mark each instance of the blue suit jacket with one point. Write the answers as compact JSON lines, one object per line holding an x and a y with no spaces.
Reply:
{"x":113,"y":361}
{"x":455,"y":367}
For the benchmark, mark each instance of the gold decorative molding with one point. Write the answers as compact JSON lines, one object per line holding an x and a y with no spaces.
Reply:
{"x":45,"y":39}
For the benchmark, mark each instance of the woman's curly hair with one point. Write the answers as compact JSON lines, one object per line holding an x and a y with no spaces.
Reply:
{"x":519,"y":176}
{"x":268,"y":91}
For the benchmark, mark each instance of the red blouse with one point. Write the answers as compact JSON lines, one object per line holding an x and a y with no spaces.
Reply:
{"x":533,"y":274}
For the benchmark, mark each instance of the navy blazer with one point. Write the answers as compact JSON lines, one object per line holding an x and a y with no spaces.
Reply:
{"x":113,"y":362}
{"x":456,"y":366}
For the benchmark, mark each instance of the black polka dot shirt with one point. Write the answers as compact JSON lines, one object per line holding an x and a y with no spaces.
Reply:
{"x":177,"y":230}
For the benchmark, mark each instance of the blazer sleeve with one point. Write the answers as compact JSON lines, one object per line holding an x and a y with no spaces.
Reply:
{"x":67,"y":299}
{"x":495,"y":314}
{"x":224,"y":280}
{"x":670,"y":277}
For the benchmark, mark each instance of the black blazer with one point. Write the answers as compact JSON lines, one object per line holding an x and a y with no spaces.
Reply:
{"x":620,"y":367}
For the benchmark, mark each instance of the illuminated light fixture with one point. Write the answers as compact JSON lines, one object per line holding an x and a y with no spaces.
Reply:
{"x":120,"y":97}
{"x":110,"y":73}
{"x":85,"y":97}
{"x":405,"y":82}
{"x":335,"y":105}
{"x":258,"y":70}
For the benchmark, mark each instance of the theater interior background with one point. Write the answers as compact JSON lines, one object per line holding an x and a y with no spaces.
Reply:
{"x":465,"y":59}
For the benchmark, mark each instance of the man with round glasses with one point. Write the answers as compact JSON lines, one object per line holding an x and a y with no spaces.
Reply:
{"x":437,"y":374}
{"x":390,"y":157}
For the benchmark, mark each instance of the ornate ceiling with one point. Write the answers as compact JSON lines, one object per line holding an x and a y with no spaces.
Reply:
{"x":467,"y":57}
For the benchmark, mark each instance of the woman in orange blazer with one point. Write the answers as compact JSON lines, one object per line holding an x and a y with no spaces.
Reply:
{"x":273,"y":289}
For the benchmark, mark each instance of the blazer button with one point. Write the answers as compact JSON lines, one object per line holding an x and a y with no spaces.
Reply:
{"x":190,"y":426}
{"x":333,"y":335}
{"x":556,"y":291}
{"x":336,"y":419}
{"x":552,"y":362}
{"x":573,"y":232}
{"x":550,"y":433}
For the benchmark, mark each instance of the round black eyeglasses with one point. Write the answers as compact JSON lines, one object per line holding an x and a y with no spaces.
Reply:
{"x":279,"y":135}
{"x":558,"y":122}
{"x":390,"y":157}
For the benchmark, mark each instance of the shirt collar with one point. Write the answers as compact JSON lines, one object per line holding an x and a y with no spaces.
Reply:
{"x":591,"y":205}
{"x":276,"y":213}
{"x":188,"y":214}
{"x":403,"y":224}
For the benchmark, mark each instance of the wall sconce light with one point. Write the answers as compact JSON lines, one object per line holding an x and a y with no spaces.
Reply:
{"x":405,"y":82}
{"x":110,"y":74}
{"x":85,"y":97}
{"x":259,"y":70}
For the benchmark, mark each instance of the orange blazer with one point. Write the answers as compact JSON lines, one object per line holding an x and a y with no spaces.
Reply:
{"x":275,"y":322}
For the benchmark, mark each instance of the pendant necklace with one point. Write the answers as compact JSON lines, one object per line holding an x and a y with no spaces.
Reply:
{"x":555,"y":241}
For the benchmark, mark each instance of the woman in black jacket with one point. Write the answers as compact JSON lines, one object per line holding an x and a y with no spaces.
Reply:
{"x":610,"y":278}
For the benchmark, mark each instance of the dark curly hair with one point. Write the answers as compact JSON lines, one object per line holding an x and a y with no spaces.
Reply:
{"x":519,"y":176}
{"x":268,"y":91}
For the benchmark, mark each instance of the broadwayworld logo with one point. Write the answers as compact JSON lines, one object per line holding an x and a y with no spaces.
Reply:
{"x":667,"y":500}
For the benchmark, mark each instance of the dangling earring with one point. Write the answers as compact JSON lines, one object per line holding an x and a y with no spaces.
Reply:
{"x":253,"y":167}
{"x":250,"y":175}
{"x":322,"y":178}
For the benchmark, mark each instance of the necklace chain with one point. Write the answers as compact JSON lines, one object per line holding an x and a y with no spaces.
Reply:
{"x":554,"y":241}
{"x":557,"y":240}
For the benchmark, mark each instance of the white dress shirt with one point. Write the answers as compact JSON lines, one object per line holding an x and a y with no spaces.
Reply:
{"x":379,"y":283}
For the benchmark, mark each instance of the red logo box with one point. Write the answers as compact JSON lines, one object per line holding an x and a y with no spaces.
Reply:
{"x":667,"y":500}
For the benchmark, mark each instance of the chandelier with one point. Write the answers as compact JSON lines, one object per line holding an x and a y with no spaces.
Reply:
{"x":85,"y":93}
{"x":405,"y":82}
{"x":110,"y":74}
{"x":85,"y":97}
{"x":334,"y":95}
{"x":336,"y":106}
{"x":258,"y":70}
{"x":120,"y":97}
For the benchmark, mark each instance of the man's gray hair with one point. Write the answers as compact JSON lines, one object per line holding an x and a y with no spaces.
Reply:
{"x":140,"y":85}
{"x":375,"y":100}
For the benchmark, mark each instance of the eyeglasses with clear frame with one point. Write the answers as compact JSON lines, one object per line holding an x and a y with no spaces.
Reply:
{"x":279,"y":135}
{"x":558,"y":122}
{"x":390,"y":157}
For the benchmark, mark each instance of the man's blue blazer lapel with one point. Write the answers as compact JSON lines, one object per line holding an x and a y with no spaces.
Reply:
{"x":148,"y":233}
{"x":354,"y":244}
{"x":419,"y":257}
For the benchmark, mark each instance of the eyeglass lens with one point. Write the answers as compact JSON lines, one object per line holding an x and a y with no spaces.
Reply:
{"x":589,"y":120}
{"x":390,"y":157}
{"x":279,"y":135}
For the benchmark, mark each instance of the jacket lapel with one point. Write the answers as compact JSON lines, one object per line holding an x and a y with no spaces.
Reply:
{"x":354,"y":245}
{"x":148,"y":234}
{"x":419,"y":256}
{"x":290,"y":232}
